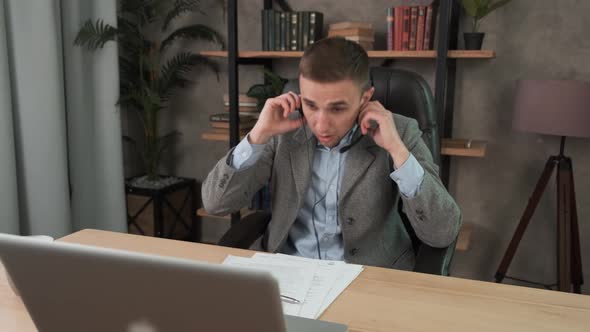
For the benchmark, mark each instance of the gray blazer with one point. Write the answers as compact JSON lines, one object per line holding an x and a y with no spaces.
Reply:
{"x":372,"y":230}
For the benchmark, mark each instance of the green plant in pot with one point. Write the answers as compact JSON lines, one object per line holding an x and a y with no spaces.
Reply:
{"x":477,"y":10}
{"x":272,"y":88}
{"x":148,"y":73}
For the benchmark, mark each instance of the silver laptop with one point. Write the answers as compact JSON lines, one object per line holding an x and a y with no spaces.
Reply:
{"x":69,"y":287}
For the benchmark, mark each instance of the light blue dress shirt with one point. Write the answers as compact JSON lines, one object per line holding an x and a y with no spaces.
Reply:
{"x":316,"y":232}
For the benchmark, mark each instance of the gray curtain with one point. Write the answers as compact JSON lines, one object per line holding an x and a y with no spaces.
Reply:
{"x":60,"y":134}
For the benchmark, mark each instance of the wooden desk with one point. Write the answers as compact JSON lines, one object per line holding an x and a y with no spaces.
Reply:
{"x":378,"y":300}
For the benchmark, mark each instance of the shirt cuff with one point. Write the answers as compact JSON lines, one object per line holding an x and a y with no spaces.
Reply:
{"x":245,"y":154}
{"x":409,"y":177}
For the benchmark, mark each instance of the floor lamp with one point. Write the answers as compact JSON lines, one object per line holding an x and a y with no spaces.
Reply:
{"x":559,"y":108}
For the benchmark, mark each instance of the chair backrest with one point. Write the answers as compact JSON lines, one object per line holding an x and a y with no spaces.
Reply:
{"x":407,"y":93}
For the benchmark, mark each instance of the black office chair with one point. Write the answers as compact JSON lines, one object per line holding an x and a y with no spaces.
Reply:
{"x":405,"y":93}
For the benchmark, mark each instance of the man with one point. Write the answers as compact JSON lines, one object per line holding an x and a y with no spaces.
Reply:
{"x":335,"y":172}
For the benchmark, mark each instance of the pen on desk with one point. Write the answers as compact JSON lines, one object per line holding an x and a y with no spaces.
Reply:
{"x":289,"y":299}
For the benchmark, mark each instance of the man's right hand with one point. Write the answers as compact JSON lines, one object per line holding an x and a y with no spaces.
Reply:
{"x":274,"y":118}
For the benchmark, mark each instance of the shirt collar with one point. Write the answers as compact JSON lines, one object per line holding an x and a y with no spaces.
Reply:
{"x":343,"y":142}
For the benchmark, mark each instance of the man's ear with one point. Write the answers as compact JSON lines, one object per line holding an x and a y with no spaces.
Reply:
{"x":367,"y":95}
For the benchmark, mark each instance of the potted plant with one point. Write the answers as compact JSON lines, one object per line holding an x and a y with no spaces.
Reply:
{"x":272,"y":88}
{"x":477,"y":10}
{"x":148,"y":74}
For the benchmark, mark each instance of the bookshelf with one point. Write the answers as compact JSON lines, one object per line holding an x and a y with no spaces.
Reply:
{"x":463,"y":147}
{"x":445,"y":56}
{"x":453,"y":54}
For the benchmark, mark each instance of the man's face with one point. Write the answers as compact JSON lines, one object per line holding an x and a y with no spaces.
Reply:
{"x":331,"y":109}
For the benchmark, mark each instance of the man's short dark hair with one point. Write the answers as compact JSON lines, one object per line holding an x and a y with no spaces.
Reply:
{"x":336,"y":59}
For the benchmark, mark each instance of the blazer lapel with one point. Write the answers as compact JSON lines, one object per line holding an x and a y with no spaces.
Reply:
{"x":301,"y":155}
{"x":358,"y":160}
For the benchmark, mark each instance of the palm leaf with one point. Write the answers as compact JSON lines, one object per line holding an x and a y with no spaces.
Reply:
{"x":94,"y":35}
{"x":129,"y":33}
{"x":495,"y":6}
{"x":180,"y":7}
{"x":164,"y":141}
{"x":470,"y":7}
{"x":131,"y":6}
{"x":145,"y":11}
{"x":197,"y":32}
{"x":276,"y":82}
{"x":128,"y":71}
{"x":174,"y":72}
{"x":261,"y":92}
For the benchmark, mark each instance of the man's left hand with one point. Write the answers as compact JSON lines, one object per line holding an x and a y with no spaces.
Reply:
{"x":384,"y":133}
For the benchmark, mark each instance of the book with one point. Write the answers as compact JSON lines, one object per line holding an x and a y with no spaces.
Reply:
{"x":222,"y":131}
{"x":406,"y":28}
{"x":389,"y":27}
{"x":224,"y":117}
{"x":294,"y":32}
{"x":413,"y":27}
{"x":421,"y":21}
{"x":242,"y":104}
{"x":360,"y":39}
{"x":244,"y":109}
{"x":300,"y":46}
{"x":283,"y":31}
{"x":398,"y":28}
{"x":350,"y":24}
{"x":243,"y":99}
{"x":287,"y":32}
{"x":352,"y":32}
{"x":305,"y":30}
{"x":225,"y":125}
{"x":271,"y":30}
{"x":316,"y":26}
{"x":299,"y":33}
{"x":218,"y":136}
{"x":429,"y":27}
{"x":277,"y":29}
{"x":264,"y":30}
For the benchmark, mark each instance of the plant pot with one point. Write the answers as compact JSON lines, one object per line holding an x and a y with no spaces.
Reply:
{"x":473,"y":40}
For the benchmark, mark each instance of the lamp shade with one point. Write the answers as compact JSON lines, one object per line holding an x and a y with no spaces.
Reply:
{"x":554,"y":107}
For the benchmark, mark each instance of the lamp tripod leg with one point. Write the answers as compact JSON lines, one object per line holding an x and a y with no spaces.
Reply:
{"x":564,"y":227}
{"x":525,"y":219}
{"x":577,"y":277}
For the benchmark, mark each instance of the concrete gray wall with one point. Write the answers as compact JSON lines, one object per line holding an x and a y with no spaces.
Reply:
{"x":532,"y":39}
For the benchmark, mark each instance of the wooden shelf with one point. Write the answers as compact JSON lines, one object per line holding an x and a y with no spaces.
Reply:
{"x":243,"y":212}
{"x":455,"y":54}
{"x":216,"y":136}
{"x":463,"y":147}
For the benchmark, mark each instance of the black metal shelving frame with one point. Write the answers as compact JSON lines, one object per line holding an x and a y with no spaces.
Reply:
{"x":445,"y":72}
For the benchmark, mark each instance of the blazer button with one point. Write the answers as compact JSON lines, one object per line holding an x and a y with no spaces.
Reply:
{"x":353,"y":251}
{"x":350,"y":221}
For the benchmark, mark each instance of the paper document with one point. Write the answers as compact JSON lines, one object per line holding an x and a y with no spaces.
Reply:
{"x":293,"y":281}
{"x":315,"y":283}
